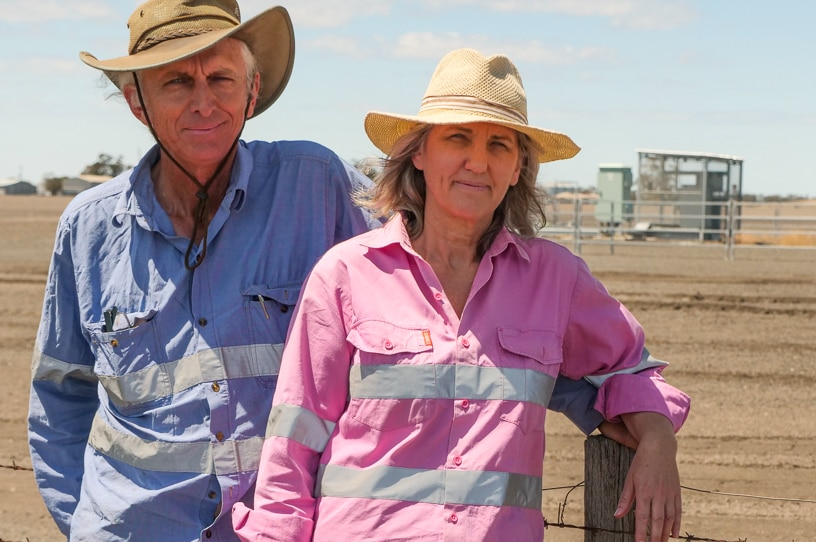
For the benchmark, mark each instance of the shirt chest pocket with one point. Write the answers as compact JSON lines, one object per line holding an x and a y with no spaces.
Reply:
{"x":131,"y":363}
{"x":268,"y":310}
{"x":392,"y":380}
{"x":530,"y":360}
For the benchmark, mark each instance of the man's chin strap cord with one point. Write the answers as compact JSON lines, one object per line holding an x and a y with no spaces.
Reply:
{"x":200,"y":213}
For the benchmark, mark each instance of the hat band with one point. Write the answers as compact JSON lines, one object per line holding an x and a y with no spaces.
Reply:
{"x":147,"y":43}
{"x":195,"y":27}
{"x":470,"y":103}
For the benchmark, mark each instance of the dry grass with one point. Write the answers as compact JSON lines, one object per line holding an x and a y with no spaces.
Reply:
{"x":785,"y":240}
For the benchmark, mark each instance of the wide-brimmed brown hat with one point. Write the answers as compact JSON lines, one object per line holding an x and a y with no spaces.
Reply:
{"x":469,"y":87}
{"x":164,"y":31}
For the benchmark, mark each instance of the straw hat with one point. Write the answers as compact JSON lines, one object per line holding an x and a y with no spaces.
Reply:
{"x":468,"y":87}
{"x":164,"y":31}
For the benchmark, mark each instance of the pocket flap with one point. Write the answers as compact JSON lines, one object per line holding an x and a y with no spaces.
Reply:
{"x":284,"y":295}
{"x":541,"y":345}
{"x":380,"y":337}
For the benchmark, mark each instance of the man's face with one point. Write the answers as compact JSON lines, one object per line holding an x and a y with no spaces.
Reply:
{"x":197,"y":106}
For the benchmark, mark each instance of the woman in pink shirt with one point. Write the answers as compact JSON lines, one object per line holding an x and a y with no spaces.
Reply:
{"x":422,"y":357}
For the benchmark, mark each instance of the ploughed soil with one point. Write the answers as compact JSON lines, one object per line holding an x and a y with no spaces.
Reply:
{"x":740,"y":337}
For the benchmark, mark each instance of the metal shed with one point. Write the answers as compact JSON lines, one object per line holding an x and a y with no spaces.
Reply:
{"x":689,"y":189}
{"x":17,"y":187}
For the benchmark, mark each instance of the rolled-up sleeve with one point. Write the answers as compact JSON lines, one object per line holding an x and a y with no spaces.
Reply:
{"x":605,"y":344}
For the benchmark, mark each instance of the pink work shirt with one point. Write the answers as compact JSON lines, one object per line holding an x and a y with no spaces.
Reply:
{"x":394,"y":419}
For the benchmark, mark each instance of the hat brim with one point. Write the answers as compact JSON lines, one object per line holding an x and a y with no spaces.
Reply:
{"x":269,"y":35}
{"x":384,"y":129}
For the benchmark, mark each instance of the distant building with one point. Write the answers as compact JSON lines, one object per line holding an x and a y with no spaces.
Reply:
{"x":16,"y":187}
{"x":614,"y":193}
{"x":72,"y":186}
{"x":690,"y":189}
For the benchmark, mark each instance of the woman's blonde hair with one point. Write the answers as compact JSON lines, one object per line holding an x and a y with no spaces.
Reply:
{"x":400,"y":187}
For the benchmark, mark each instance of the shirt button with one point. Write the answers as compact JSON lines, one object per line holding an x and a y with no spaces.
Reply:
{"x":465,"y":404}
{"x":388,"y":345}
{"x":211,"y":494}
{"x":208,"y":534}
{"x":465,"y":343}
{"x":219,"y":436}
{"x":438,"y":296}
{"x":202,"y":321}
{"x":114,"y":343}
{"x":215,"y":387}
{"x":284,"y":308}
{"x":454,"y":518}
{"x":457,"y":460}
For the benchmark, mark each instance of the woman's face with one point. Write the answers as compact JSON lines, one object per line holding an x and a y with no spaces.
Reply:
{"x":468,"y":169}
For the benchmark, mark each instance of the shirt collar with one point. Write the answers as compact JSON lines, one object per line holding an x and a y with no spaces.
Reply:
{"x":503,"y":241}
{"x":139,"y":199}
{"x":394,"y":233}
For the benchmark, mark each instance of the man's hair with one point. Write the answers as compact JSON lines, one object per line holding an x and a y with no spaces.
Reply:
{"x":400,"y":186}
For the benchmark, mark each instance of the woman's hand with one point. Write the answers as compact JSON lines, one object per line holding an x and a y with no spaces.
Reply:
{"x":653,"y":481}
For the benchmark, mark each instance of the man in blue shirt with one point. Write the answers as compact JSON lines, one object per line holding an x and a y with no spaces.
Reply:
{"x":171,"y":286}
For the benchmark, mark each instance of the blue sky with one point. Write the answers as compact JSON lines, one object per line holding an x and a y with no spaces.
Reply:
{"x":734,"y":77}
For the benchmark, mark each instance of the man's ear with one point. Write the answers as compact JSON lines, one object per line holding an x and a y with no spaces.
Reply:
{"x":253,"y":95}
{"x":132,"y":97}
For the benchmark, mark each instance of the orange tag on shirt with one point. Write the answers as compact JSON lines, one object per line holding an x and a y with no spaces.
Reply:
{"x":426,"y":334}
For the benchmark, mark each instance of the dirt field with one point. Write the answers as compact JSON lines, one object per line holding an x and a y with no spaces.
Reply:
{"x":740,"y":336}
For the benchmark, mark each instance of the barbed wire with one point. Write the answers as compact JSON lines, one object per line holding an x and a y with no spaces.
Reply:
{"x":14,"y":466}
{"x":562,"y":506}
{"x":746,"y":496}
{"x":562,"y":524}
{"x":709,"y":491}
{"x":688,"y":537}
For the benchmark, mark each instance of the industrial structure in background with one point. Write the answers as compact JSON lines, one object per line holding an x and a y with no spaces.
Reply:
{"x":677,"y":193}
{"x":615,"y":202}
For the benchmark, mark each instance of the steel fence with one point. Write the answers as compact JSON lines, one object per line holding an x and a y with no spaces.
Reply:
{"x":730,"y":225}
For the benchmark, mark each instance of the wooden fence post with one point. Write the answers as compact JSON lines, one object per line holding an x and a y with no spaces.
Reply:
{"x":605,"y":466}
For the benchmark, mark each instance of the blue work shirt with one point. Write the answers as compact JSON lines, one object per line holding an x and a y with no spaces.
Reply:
{"x":150,"y":427}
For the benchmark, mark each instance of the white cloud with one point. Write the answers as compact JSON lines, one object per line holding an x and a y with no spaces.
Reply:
{"x":637,"y":14}
{"x":424,"y":45}
{"x":14,"y":11}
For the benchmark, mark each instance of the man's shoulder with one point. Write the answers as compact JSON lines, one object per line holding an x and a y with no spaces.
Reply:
{"x":275,"y":151}
{"x":101,"y":198}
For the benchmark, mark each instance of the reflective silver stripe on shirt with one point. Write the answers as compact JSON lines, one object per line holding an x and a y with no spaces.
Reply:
{"x":431,"y":486}
{"x":301,"y":425}
{"x":164,"y":379}
{"x":45,"y":367}
{"x":227,"y":457}
{"x":449,"y":382}
{"x":646,"y":362}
